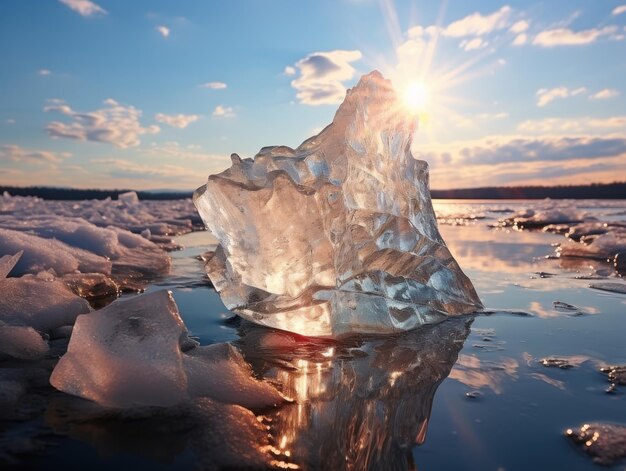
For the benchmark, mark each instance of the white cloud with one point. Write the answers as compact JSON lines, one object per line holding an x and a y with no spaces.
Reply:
{"x":519,"y":27}
{"x":289,"y":70}
{"x":163,"y":30}
{"x":16,"y":153}
{"x":545,"y":95}
{"x":604,"y":94}
{"x":174,"y":150}
{"x":10,"y":121}
{"x":619,"y":10}
{"x":474,"y":43}
{"x":223,"y":111}
{"x":477,"y":25}
{"x":322,"y":74}
{"x":44,"y":72}
{"x":214,"y":85}
{"x":176,"y":120}
{"x":520,"y":39}
{"x":116,"y":124}
{"x":84,"y":7}
{"x":567,"y":37}
{"x":573,"y":125}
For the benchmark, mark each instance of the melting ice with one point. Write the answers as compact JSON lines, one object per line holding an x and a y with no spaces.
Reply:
{"x":339,"y":235}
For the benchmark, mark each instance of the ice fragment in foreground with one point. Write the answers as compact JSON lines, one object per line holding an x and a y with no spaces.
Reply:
{"x":339,"y":235}
{"x":137,"y":353}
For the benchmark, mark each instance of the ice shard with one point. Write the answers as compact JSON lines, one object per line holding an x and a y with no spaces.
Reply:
{"x":338,"y":235}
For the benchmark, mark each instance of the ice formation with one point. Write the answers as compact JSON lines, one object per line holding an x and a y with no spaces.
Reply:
{"x":137,"y":353}
{"x":338,"y":235}
{"x":161,"y":218}
{"x":31,"y":306}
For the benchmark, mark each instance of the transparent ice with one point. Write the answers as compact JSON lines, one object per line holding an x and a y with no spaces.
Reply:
{"x":339,"y":235}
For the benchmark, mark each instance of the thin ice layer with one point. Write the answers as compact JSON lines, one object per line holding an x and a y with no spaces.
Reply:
{"x":338,"y":235}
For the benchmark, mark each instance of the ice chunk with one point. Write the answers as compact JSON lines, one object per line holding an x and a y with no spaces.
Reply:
{"x":548,"y":213}
{"x":42,"y":305}
{"x":126,"y":354}
{"x":42,"y":254}
{"x":7,"y":262}
{"x":236,"y":384}
{"x":605,"y":442}
{"x":131,"y":354}
{"x":21,"y":342}
{"x":603,"y":246}
{"x":129,"y":198}
{"x":129,"y":252}
{"x":338,"y":235}
{"x":610,"y":286}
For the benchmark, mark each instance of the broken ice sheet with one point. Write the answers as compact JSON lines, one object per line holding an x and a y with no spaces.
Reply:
{"x":30,"y":307}
{"x":339,"y":235}
{"x":131,"y":353}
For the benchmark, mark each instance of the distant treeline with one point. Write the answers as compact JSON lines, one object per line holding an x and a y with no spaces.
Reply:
{"x":50,"y":193}
{"x":616,"y":190}
{"x":595,"y":190}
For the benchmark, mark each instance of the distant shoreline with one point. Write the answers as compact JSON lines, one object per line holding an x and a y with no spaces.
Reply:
{"x":615,"y":190}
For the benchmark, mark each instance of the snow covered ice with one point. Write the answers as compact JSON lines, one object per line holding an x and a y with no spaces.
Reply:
{"x":31,"y":306}
{"x":339,"y":235}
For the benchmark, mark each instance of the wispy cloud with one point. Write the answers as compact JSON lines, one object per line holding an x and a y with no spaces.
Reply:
{"x":16,"y":153}
{"x":548,"y":148}
{"x":619,"y":10}
{"x":84,"y":7}
{"x":519,"y":26}
{"x":176,"y":120}
{"x":545,"y":95}
{"x":177,"y":152}
{"x":520,"y":39}
{"x":214,"y":85}
{"x":163,"y":31}
{"x":44,"y":72}
{"x":116,"y":124}
{"x":573,"y":125}
{"x":477,"y":24}
{"x":322,"y":75}
{"x":518,"y":159}
{"x":604,"y":94}
{"x":223,"y":111}
{"x":289,"y":70}
{"x":567,"y":37}
{"x":471,"y":44}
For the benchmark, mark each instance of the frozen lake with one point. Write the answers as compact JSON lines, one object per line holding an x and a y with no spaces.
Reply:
{"x":476,"y":392}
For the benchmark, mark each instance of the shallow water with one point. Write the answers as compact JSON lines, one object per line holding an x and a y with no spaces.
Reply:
{"x":469,"y":393}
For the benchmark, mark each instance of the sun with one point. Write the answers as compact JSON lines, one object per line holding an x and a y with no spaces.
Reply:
{"x":416,"y":97}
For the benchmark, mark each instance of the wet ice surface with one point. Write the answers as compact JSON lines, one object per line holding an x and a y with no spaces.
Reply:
{"x":499,"y":390}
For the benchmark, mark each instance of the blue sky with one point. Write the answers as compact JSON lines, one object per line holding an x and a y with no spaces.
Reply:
{"x":119,"y":94}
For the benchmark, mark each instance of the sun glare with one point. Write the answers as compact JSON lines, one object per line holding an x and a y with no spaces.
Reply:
{"x":416,"y":97}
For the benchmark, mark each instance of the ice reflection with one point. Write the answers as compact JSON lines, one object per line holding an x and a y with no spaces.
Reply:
{"x":359,"y":404}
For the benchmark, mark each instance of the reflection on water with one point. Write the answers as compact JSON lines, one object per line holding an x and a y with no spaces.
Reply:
{"x":358,"y":405}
